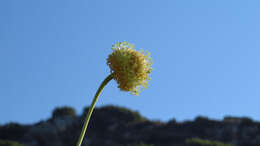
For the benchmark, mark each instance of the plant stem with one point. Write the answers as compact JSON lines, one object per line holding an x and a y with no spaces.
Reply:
{"x":101,"y":87}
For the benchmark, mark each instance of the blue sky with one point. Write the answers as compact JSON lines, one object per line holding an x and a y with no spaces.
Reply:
{"x":205,"y":54}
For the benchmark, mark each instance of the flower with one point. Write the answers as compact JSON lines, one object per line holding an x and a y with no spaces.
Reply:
{"x":129,"y":67}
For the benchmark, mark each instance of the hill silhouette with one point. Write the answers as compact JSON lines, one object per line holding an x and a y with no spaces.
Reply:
{"x":118,"y":126}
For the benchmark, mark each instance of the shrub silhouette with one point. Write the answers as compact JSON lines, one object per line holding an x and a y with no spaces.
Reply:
{"x":112,"y":111}
{"x":12,"y":131}
{"x":201,"y":119}
{"x":63,"y":111}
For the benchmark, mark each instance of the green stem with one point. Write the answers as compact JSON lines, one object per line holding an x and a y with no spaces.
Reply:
{"x":101,"y":87}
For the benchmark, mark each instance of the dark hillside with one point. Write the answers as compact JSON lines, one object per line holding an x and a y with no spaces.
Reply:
{"x":117,"y":126}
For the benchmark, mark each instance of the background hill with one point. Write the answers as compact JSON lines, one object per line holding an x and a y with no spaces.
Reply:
{"x":118,"y":126}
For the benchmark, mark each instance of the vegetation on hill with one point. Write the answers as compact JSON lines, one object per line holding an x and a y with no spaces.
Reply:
{"x":118,"y":126}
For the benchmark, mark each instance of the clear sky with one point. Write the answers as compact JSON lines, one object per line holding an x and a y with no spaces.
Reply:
{"x":205,"y":52}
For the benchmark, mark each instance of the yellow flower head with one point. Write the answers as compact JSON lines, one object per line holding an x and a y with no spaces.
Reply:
{"x":130,"y":68}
